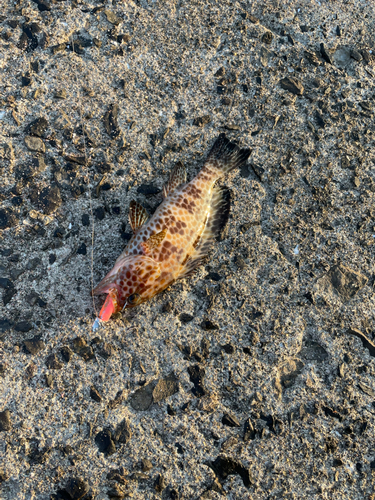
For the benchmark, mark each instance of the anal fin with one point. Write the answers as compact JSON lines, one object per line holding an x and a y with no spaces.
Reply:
{"x":216,"y":221}
{"x":137,"y":215}
{"x":176,"y":179}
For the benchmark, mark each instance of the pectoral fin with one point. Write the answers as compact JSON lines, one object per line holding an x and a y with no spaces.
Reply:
{"x":176,"y":179}
{"x":153,"y":242}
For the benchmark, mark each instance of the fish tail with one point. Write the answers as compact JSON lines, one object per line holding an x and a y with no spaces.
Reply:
{"x":225,"y":156}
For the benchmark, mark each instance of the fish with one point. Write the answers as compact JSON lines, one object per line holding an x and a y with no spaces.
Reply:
{"x":173,"y":242}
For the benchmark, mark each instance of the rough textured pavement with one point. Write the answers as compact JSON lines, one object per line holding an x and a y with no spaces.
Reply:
{"x":253,"y":379}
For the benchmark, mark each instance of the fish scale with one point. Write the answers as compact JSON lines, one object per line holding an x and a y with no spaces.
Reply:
{"x":173,"y":242}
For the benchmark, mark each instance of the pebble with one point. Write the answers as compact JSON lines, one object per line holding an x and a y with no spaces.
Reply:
{"x":95,"y":395}
{"x":292,"y":84}
{"x":123,"y":432}
{"x":5,"y":325}
{"x":146,"y":464}
{"x":201,"y":121}
{"x":38,"y":127}
{"x":148,"y":189}
{"x":23,"y":326}
{"x":230,"y":420}
{"x":267,"y":37}
{"x":85,"y":220}
{"x":82,"y":249}
{"x":60,"y":94}
{"x":208,"y":325}
{"x":224,"y":466}
{"x":325,"y":54}
{"x":165,"y":388}
{"x":99,"y":213}
{"x":5,"y":421}
{"x":111,"y":121}
{"x":75,"y":489}
{"x":142,"y":398}
{"x":112,"y":17}
{"x":185,"y":318}
{"x":160,"y":483}
{"x":356,"y":55}
{"x":34,"y":345}
{"x":197,"y":374}
{"x":105,"y":443}
{"x":35,"y":144}
{"x":81,"y":348}
{"x":7,"y":218}
{"x":249,"y":431}
{"x":49,"y":199}
{"x":53,"y":363}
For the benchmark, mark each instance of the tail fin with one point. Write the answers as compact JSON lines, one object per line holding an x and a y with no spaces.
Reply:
{"x":225,"y":156}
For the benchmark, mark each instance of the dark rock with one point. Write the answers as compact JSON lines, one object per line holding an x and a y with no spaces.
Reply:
{"x":202,"y":120}
{"x":48,"y":200}
{"x":142,"y":399}
{"x":319,"y":119}
{"x":224,"y":466}
{"x":230,"y":420}
{"x":122,"y":433}
{"x":7,"y":218}
{"x":32,"y":298}
{"x":99,"y":213}
{"x":85,"y":220}
{"x":249,"y":431}
{"x":43,"y":5}
{"x":197,"y":374}
{"x":214,"y":276}
{"x":367,"y":343}
{"x":356,"y":55}
{"x":220,"y":72}
{"x":289,"y":372}
{"x":23,"y":326}
{"x":111,"y":121}
{"x":165,"y":388}
{"x":267,"y":37}
{"x":3,"y":476}
{"x":53,"y":363}
{"x":34,"y":345}
{"x":329,"y":412}
{"x":148,"y":189}
{"x":82,"y":249}
{"x":366,"y":106}
{"x":37,"y":127}
{"x":325,"y":54}
{"x":94,"y":394}
{"x":8,"y":295}
{"x":159,"y":484}
{"x":106,"y":350}
{"x":253,"y":19}
{"x":49,"y":380}
{"x":292,"y":85}
{"x":146,"y":465}
{"x":5,"y":422}
{"x":226,"y":101}
{"x":171,"y":411}
{"x":338,"y":31}
{"x":105,"y":443}
{"x":239,"y":261}
{"x":228,"y":348}
{"x":5,"y":325}
{"x":81,"y":348}
{"x":60,"y":94}
{"x":6,"y":283}
{"x":312,"y":351}
{"x":52,"y":258}
{"x":33,"y":263}
{"x":185,"y":318}
{"x":174,"y":494}
{"x":76,"y":489}
{"x":208,"y":325}
{"x":346,"y":281}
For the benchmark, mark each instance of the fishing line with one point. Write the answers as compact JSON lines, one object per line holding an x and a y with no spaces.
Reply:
{"x":88,"y":182}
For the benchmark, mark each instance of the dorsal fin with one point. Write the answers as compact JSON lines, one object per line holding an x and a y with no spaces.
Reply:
{"x":137,"y":215}
{"x":176,"y":179}
{"x":216,"y":221}
{"x":153,"y":242}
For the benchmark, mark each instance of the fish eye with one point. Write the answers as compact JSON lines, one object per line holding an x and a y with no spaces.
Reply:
{"x":133,"y":298}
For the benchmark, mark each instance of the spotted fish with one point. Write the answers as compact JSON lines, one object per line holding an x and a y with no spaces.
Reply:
{"x":174,"y":241}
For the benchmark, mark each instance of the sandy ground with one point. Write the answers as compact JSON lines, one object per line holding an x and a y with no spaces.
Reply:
{"x":253,"y":379}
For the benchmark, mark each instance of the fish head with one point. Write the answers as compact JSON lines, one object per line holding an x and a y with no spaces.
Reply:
{"x":128,"y":284}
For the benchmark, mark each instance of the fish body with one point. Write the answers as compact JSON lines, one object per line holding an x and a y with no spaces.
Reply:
{"x":178,"y":236}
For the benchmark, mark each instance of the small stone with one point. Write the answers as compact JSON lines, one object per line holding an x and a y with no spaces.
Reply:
{"x":95,"y":395}
{"x":197,"y":374}
{"x":7,"y":218}
{"x":224,"y":466}
{"x":346,"y":281}
{"x":38,"y":127}
{"x":6,"y":283}
{"x":325,"y":54}
{"x":61,"y":94}
{"x":23,"y":326}
{"x":49,"y":199}
{"x":142,"y":399}
{"x":202,"y":120}
{"x":5,"y":325}
{"x":77,"y":489}
{"x":81,"y":348}
{"x":3,"y":476}
{"x":165,"y":388}
{"x":214,"y":276}
{"x":148,"y":189}
{"x":123,"y":432}
{"x":85,"y":220}
{"x":53,"y":363}
{"x":146,"y":464}
{"x":230,"y":420}
{"x":5,"y":422}
{"x":185,"y":318}
{"x":228,"y":348}
{"x":160,"y":484}
{"x":253,"y":19}
{"x":99,"y":213}
{"x":249,"y":431}
{"x":357,"y":56}
{"x":111,"y":121}
{"x":112,"y":17}
{"x":43,"y":5}
{"x":82,"y":249}
{"x":208,"y":325}
{"x":267,"y":37}
{"x":49,"y":380}
{"x":35,"y":144}
{"x":104,"y":442}
{"x":34,"y":345}
{"x":292,"y":85}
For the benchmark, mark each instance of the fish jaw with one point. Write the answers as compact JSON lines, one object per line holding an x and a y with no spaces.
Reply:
{"x":110,"y":305}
